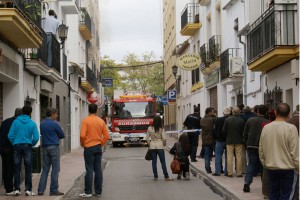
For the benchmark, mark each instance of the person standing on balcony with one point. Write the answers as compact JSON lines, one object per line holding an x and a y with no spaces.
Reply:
{"x":7,"y":153}
{"x":50,"y":27}
{"x":51,"y":133}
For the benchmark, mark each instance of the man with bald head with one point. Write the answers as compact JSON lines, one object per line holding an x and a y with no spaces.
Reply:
{"x":279,"y":153}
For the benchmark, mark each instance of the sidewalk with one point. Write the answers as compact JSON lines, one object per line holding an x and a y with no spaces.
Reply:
{"x":230,"y":188}
{"x":71,"y":167}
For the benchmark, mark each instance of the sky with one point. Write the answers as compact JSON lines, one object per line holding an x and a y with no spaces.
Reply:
{"x":130,"y":26}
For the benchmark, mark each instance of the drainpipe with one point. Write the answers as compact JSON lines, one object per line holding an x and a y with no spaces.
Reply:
{"x":244,"y":69}
{"x":69,"y":120}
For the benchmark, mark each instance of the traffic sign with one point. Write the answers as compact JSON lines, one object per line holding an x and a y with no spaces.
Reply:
{"x":164,"y":101}
{"x":172,"y":95}
{"x":158,"y":99}
{"x":107,"y":82}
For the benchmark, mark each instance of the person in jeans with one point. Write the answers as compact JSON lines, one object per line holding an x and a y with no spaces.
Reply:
{"x":23,"y":134}
{"x":233,"y":129}
{"x":251,"y":136}
{"x":155,"y":139}
{"x":93,"y":136}
{"x":220,"y":143}
{"x":279,"y":153}
{"x":207,"y":124}
{"x":7,"y":154}
{"x":51,"y":133}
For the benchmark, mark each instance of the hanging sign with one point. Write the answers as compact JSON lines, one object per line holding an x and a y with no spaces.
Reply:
{"x":93,"y":97}
{"x":189,"y":61}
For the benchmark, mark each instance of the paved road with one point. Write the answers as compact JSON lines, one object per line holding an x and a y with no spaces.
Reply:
{"x":128,"y":176}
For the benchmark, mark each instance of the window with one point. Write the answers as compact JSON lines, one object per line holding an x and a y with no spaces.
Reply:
{"x":58,"y":106}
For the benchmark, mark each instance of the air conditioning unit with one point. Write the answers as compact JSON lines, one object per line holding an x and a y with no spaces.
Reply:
{"x":284,"y":1}
{"x":236,"y":65}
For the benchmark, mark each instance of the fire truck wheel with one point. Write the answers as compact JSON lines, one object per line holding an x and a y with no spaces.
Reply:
{"x":115,"y":144}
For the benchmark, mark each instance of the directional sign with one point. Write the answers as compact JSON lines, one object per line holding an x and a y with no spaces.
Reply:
{"x":164,"y":101}
{"x":105,"y":98}
{"x":172,"y":95}
{"x":107,"y":82}
{"x":158,"y":99}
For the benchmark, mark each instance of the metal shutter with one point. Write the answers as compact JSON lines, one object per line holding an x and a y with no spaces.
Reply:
{"x":214,"y":98}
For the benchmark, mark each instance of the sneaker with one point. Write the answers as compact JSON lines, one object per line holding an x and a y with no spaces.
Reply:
{"x":40,"y":193}
{"x":17,"y":192}
{"x":187,"y":175}
{"x":169,"y":179}
{"x":10,"y":193}
{"x":97,"y":195}
{"x":58,"y":193}
{"x":215,"y":174}
{"x":29,"y":193}
{"x":246,"y":188}
{"x":84,"y":195}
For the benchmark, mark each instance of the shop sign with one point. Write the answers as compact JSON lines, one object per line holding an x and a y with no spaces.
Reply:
{"x":189,"y":61}
{"x":212,"y":79}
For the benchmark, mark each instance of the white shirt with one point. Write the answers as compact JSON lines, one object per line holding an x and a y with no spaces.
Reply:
{"x":51,"y":25}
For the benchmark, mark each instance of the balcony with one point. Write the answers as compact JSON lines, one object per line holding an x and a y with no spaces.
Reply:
{"x":23,"y":19}
{"x":190,"y":23}
{"x":89,"y":82}
{"x":70,"y":6}
{"x":273,"y":38}
{"x":214,"y":50}
{"x":231,"y":67}
{"x":204,"y":2}
{"x":85,"y":24}
{"x":37,"y":60}
{"x":204,"y":54}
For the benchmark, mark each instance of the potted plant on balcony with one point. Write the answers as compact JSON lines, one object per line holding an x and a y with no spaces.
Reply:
{"x":33,"y":54}
{"x":33,"y":11}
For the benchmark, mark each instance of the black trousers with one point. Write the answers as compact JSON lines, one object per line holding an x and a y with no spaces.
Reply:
{"x":185,"y":167}
{"x":8,"y":168}
{"x":193,"y":140}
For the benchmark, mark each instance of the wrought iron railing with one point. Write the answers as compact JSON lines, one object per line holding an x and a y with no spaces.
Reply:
{"x":85,"y":19}
{"x":190,"y":14}
{"x":31,"y":9}
{"x":276,"y":27}
{"x":214,"y":48}
{"x":204,"y":54}
{"x":273,"y":97}
{"x":42,"y":53}
{"x":225,"y":59}
{"x":65,"y":66}
{"x":91,"y":78}
{"x":55,"y":48}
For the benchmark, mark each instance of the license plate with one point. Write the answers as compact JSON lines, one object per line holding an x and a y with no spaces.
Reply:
{"x":134,"y":139}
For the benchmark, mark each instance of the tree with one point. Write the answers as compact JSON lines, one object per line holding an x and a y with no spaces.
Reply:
{"x":148,"y":78}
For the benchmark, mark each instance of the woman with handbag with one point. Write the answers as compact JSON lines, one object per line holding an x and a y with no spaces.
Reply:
{"x":181,"y":150}
{"x":156,"y":139}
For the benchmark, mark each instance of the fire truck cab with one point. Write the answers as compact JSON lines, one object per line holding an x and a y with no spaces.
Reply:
{"x":132,"y":114}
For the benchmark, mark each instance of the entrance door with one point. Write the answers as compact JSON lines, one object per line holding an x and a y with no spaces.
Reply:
{"x":214,"y":98}
{"x":44,"y":105}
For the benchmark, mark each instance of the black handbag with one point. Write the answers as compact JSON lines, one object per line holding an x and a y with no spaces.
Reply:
{"x":148,"y":155}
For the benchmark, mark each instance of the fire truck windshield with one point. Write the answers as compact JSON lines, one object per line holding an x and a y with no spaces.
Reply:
{"x":133,"y":109}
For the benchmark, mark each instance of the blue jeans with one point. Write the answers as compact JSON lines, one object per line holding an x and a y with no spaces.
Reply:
{"x":282,"y":184}
{"x":252,"y":166}
{"x":161,"y":155}
{"x":51,"y":156}
{"x":219,"y":150}
{"x":23,"y":151}
{"x":49,"y":45}
{"x":207,"y":157}
{"x":92,"y":158}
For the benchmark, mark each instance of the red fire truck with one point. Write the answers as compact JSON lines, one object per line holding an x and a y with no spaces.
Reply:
{"x":131,"y":115}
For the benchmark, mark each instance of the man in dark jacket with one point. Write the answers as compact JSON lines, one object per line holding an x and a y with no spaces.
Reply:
{"x":251,"y":138}
{"x":233,"y":129}
{"x":192,"y":121}
{"x":7,"y":153}
{"x":220,"y":143}
{"x":51,"y":134}
{"x":207,"y":123}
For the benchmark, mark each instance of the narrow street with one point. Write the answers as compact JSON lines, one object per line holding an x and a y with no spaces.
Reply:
{"x":127,"y":175}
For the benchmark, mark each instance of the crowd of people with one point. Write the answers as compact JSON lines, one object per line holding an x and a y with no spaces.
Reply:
{"x":258,"y":141}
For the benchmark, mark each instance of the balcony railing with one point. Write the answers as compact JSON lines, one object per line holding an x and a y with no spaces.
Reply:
{"x":85,"y":19}
{"x":55,"y":48}
{"x":276,"y":27}
{"x":91,"y":78}
{"x":225,"y":62}
{"x":214,"y":48}
{"x":65,"y":65}
{"x":190,"y":14}
{"x":31,"y":9}
{"x":204,"y":54}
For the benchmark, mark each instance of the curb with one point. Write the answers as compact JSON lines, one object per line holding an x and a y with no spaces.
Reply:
{"x":216,"y":186}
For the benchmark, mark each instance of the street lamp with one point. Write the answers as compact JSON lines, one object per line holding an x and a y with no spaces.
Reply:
{"x":63,"y":33}
{"x":174,"y":70}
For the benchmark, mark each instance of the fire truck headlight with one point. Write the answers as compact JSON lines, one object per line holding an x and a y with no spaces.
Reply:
{"x":116,"y":136}
{"x":117,"y":128}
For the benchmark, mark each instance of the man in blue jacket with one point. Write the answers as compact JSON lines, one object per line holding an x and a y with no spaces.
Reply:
{"x":51,"y":133}
{"x":23,"y":135}
{"x":7,"y":153}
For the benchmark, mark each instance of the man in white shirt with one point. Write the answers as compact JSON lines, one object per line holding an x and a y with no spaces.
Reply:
{"x":50,"y":27}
